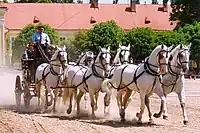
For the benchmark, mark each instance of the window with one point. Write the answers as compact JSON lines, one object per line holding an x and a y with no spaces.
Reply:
{"x":62,"y":38}
{"x":12,"y":42}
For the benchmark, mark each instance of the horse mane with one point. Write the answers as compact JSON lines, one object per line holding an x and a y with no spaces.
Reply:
{"x":80,"y":58}
{"x":54,"y":56}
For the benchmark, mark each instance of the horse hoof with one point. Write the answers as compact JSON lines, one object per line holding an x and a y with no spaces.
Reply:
{"x":69,"y":111}
{"x":93,"y":116}
{"x":156,"y":115}
{"x":165,"y":117}
{"x":139,"y":122}
{"x":95,"y":109}
{"x":185,"y":122}
{"x":123,"y":120}
{"x":137,"y":115}
{"x":151,"y":122}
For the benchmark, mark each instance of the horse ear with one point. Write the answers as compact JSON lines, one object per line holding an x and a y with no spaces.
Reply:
{"x":64,"y":47}
{"x":109,"y":48}
{"x":170,"y":48}
{"x":119,"y":45}
{"x":189,"y":46}
{"x":162,"y":46}
{"x":181,"y":46}
{"x":129,"y":46}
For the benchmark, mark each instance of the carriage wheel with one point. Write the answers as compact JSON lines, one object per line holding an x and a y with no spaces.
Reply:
{"x":18,"y":90}
{"x":27,"y":95}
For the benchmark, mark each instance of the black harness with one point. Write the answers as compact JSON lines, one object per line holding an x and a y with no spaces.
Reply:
{"x":175,"y":74}
{"x":147,"y":69}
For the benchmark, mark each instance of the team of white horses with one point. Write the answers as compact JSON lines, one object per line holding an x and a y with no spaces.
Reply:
{"x":161,"y":73}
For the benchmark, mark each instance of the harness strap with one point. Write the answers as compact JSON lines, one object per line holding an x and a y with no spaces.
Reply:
{"x":44,"y":75}
{"x":149,"y":70}
{"x":137,"y":76}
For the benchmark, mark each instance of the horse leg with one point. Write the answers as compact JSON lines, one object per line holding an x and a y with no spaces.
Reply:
{"x":119,"y":103}
{"x":126,"y":98}
{"x":163,"y":107}
{"x":96,"y":99}
{"x":55,"y":99}
{"x":93,"y":104}
{"x":107,"y":98}
{"x":148,"y":108}
{"x":181,"y":97}
{"x":70,"y":95}
{"x":157,"y":115}
{"x":38,"y":88}
{"x":142,"y":107}
{"x":79,"y":96}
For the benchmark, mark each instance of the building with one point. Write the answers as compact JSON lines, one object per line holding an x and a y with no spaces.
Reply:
{"x":67,"y":19}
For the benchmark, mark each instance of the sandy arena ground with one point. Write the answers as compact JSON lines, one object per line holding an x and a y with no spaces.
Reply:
{"x":13,"y":120}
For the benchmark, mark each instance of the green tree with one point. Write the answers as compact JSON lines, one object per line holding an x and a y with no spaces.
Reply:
{"x":44,"y":1}
{"x":186,"y":11}
{"x":24,"y":37}
{"x":142,"y":42}
{"x":154,"y":2}
{"x":80,"y":40}
{"x":105,"y":34}
{"x":5,"y":1}
{"x":192,"y":34}
{"x":79,"y":1}
{"x":169,"y":38}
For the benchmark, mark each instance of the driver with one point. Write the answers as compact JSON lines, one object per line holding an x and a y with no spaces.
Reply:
{"x":42,"y":39}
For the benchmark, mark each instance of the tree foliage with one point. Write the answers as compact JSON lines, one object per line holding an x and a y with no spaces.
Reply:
{"x":105,"y":34}
{"x":186,"y":11}
{"x":169,"y":38}
{"x":192,"y":34}
{"x":142,"y":42}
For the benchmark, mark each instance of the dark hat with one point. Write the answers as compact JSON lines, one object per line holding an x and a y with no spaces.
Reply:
{"x":40,"y":27}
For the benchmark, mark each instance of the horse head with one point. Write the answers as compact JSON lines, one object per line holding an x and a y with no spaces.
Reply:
{"x":89,"y":58}
{"x":60,"y":56}
{"x":122,"y":56}
{"x":104,"y":58}
{"x":180,"y":57}
{"x":159,"y":58}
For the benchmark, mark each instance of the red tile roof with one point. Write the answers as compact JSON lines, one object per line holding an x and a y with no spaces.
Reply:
{"x":78,"y":16}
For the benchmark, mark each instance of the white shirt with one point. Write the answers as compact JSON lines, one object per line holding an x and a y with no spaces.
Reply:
{"x":45,"y":38}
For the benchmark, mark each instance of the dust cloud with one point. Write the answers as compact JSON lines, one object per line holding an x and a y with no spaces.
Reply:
{"x":7,"y":85}
{"x":7,"y":100}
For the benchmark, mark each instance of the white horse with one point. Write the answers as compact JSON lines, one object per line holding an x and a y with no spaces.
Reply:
{"x":48,"y":77}
{"x":88,"y":80}
{"x":174,"y":81}
{"x":84,"y":61}
{"x":143,"y":79}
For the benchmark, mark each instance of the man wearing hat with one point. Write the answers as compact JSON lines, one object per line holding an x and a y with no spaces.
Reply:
{"x":42,"y":39}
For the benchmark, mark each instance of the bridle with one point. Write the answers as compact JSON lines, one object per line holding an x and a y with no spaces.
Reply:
{"x":61,"y":64}
{"x":148,"y":66}
{"x":103,"y":64}
{"x":179,"y":63}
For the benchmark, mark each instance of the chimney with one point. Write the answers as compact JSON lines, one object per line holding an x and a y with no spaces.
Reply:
{"x":133,"y":5}
{"x":94,"y":4}
{"x":165,"y":7}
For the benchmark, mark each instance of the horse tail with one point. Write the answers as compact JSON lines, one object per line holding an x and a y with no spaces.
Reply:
{"x":105,"y":85}
{"x":66,"y":95}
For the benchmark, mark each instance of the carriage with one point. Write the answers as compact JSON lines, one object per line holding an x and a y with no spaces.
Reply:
{"x":25,"y":84}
